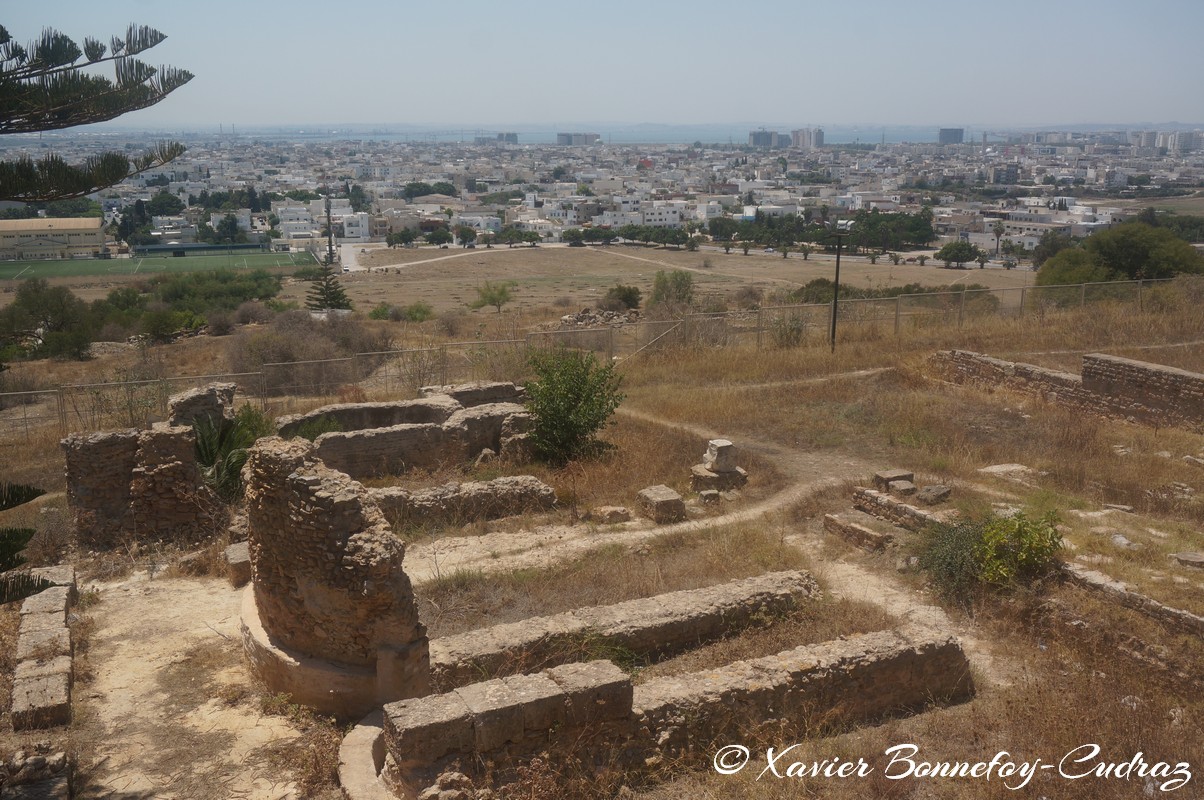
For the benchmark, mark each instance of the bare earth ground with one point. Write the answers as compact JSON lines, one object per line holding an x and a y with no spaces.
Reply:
{"x":153,"y":716}
{"x":544,"y":274}
{"x":165,"y":651}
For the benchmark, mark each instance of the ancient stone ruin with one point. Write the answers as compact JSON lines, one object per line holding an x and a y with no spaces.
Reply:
{"x":330,"y":615}
{"x":448,"y":425}
{"x":138,"y":485}
{"x":213,"y":403}
{"x":718,"y":470}
{"x":1109,"y":385}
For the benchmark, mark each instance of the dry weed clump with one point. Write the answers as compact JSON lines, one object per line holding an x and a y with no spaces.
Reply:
{"x":611,"y":574}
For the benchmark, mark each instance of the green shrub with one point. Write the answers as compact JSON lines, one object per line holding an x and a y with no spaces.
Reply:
{"x":419,"y":311}
{"x":221,"y":448}
{"x":12,"y":542}
{"x":997,"y":552}
{"x":620,"y":298}
{"x":316,"y":427}
{"x":571,"y":398}
{"x":672,"y":288}
{"x":380,"y":311}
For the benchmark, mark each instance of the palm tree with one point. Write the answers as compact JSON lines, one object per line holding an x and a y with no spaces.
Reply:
{"x":997,"y":229}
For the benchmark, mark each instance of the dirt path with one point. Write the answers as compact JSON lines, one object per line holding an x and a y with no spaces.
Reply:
{"x":163,"y":654}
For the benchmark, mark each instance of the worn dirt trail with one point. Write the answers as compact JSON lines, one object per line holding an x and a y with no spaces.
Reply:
{"x":163,"y":649}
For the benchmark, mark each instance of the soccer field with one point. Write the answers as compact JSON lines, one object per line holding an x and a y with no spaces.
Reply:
{"x":10,"y":270}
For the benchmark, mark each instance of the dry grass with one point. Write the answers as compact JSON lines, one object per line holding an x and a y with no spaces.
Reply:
{"x":813,"y":622}
{"x":467,"y":600}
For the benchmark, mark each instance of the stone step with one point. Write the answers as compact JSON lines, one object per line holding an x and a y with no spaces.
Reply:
{"x":862,"y":530}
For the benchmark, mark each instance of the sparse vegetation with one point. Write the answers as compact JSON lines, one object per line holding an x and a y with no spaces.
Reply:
{"x":571,"y":398}
{"x":221,"y":448}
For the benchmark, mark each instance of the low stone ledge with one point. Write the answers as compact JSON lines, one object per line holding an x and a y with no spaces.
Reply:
{"x":858,"y":678}
{"x":41,"y":701}
{"x":454,"y":502}
{"x":658,"y":626}
{"x":1119,"y":592}
{"x":478,"y":393}
{"x":483,"y":717}
{"x":362,"y":416}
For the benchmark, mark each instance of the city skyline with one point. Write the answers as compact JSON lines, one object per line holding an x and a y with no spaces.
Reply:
{"x":926,"y":64}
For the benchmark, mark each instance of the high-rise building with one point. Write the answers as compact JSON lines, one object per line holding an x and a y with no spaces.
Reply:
{"x":768,"y":139}
{"x":807,"y":138}
{"x":951,"y":135}
{"x":575,"y":138}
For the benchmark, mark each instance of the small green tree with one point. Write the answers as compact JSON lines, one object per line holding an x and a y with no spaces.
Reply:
{"x":326,"y":292}
{"x":439,"y":236}
{"x":492,"y":294}
{"x":674,"y":288}
{"x":571,"y":399}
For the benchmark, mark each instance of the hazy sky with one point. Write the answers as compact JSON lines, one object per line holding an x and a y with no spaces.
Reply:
{"x":774,"y":62}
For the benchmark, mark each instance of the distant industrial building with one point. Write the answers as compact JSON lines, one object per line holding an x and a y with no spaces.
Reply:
{"x":951,"y":135}
{"x":42,"y":237}
{"x":807,"y":138}
{"x":768,"y":139}
{"x":575,"y":138}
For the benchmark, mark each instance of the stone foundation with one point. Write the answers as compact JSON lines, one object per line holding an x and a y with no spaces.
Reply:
{"x":214,"y":402}
{"x":1109,"y":385}
{"x":895,"y":511}
{"x":659,"y":627}
{"x":463,"y":502}
{"x":590,"y":713}
{"x":43,"y":678}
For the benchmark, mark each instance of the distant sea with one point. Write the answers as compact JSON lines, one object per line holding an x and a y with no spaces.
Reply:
{"x":735,"y":134}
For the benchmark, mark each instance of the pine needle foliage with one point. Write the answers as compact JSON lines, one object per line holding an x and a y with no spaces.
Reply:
{"x":52,"y":83}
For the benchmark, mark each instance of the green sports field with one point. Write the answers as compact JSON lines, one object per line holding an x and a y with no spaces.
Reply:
{"x":10,"y":270}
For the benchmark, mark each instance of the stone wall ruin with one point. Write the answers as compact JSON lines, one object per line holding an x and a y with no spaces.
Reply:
{"x":1112,"y":386}
{"x":591,"y":713}
{"x":327,"y":586}
{"x":448,"y":425}
{"x":138,"y":485}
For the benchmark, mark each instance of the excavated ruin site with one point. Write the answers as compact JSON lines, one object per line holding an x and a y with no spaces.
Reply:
{"x":406,"y":604}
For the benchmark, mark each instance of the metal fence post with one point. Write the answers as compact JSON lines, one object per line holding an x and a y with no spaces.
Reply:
{"x":961,"y":309}
{"x":1023,"y":291}
{"x":1140,"y":297}
{"x":1083,"y":296}
{"x":898,"y":306}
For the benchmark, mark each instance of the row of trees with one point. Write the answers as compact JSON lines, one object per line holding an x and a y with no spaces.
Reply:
{"x":1132,"y":251}
{"x":51,"y":321}
{"x":872,"y":229}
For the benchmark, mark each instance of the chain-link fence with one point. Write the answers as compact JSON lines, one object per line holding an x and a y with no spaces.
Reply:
{"x":400,"y":373}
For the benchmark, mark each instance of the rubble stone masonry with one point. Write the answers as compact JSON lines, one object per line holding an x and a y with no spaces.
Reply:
{"x":1137,"y":391}
{"x":326,"y":569}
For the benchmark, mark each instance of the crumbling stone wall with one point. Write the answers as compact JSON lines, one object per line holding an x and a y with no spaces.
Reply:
{"x":590,"y":712}
{"x":137,"y":484}
{"x":447,"y":425}
{"x":883,"y":506}
{"x":466,"y":433}
{"x":478,"y":393}
{"x":326,"y":569}
{"x":213,"y":402}
{"x":1110,"y":385}
{"x":472,"y":500}
{"x":1146,"y":392}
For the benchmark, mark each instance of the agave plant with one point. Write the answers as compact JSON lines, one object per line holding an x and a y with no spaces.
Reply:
{"x":16,"y":585}
{"x":221,"y":448}
{"x":15,"y":494}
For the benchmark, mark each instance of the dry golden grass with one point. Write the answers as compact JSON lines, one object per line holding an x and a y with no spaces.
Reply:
{"x":467,"y":600}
